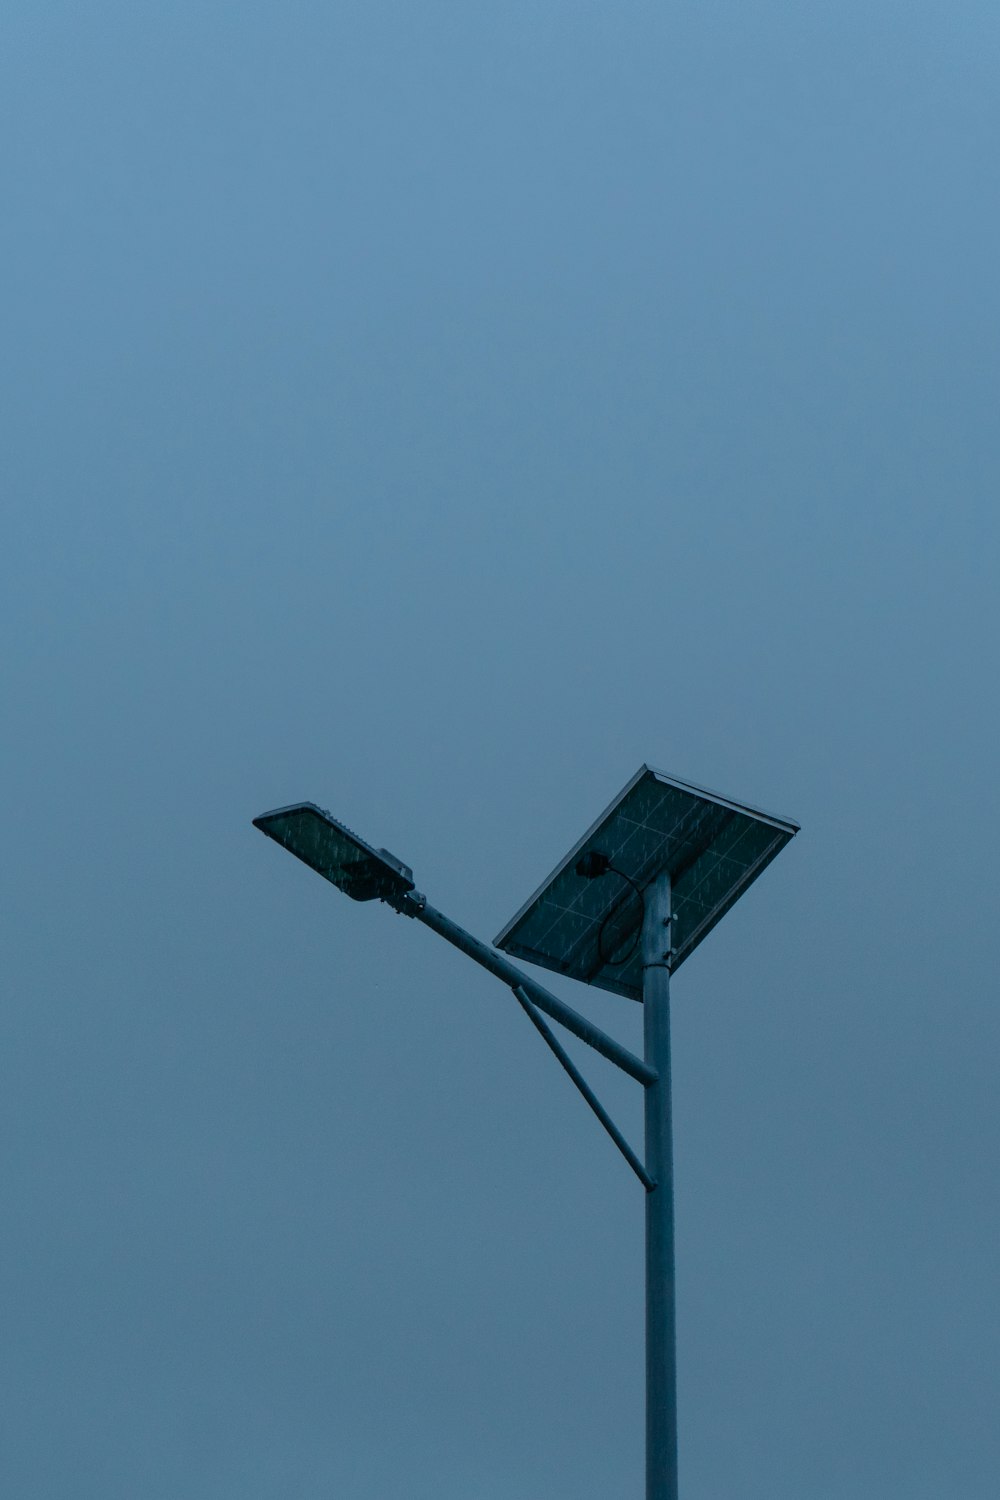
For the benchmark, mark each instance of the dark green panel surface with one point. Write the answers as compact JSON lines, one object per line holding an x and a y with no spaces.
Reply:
{"x":712,"y":847}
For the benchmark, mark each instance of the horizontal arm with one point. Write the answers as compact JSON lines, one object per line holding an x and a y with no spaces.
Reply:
{"x":489,"y":958}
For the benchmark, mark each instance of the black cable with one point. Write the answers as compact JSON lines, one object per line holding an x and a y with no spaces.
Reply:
{"x":606,"y":960}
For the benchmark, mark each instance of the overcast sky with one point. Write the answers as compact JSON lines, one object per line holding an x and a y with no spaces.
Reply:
{"x":435,"y":410}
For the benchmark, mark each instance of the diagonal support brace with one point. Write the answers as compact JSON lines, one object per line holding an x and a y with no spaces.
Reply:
{"x":545,"y":1031}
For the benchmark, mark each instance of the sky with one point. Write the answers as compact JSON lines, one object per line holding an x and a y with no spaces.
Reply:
{"x":435,"y":411}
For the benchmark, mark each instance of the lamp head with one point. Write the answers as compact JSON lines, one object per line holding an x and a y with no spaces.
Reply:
{"x":333,"y":851}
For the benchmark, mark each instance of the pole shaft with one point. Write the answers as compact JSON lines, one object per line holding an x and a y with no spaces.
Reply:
{"x":661,"y":1362}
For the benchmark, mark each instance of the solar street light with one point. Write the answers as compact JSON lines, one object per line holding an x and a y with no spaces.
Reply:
{"x":624,"y":908}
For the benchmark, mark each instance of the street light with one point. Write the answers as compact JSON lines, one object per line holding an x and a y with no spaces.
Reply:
{"x":630,"y":901}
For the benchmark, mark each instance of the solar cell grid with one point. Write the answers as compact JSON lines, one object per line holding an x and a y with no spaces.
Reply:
{"x":713,"y":848}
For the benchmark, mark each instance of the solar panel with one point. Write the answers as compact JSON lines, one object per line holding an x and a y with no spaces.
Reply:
{"x":336,"y":853}
{"x":589,"y":928}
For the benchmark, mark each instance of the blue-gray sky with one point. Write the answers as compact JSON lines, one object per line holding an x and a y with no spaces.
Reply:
{"x":435,"y":410}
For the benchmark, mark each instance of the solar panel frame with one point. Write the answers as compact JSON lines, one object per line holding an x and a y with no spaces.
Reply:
{"x":714,"y":847}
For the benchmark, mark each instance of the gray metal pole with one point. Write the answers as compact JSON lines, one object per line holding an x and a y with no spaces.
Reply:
{"x":661,"y":1361}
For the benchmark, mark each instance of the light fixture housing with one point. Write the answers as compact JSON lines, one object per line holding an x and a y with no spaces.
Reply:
{"x":333,"y":851}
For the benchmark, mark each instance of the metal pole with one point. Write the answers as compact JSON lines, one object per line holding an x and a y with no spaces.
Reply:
{"x":661,"y":1362}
